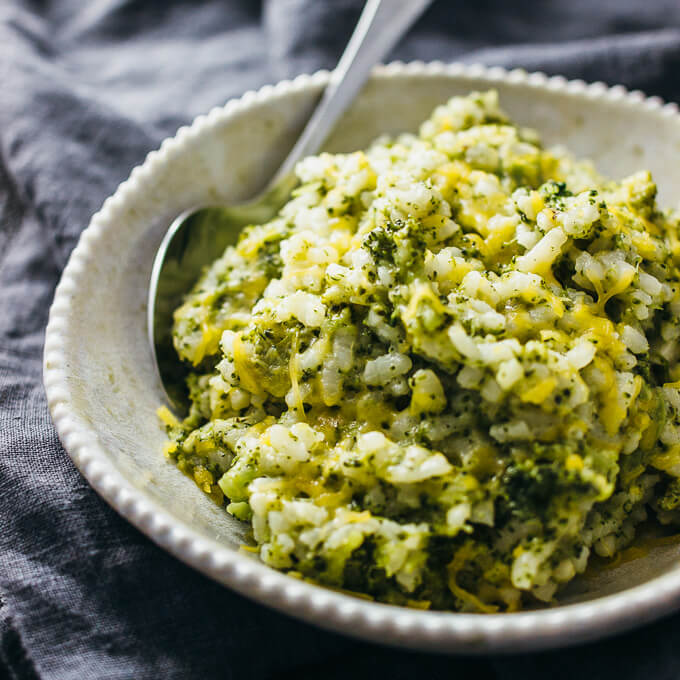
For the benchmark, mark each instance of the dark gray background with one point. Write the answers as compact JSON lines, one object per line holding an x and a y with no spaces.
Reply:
{"x":86,"y":90}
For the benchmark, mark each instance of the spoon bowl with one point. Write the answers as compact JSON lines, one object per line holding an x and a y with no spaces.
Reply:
{"x":195,"y":239}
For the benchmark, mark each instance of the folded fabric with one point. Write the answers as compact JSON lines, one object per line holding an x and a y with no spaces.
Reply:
{"x":88,"y":89}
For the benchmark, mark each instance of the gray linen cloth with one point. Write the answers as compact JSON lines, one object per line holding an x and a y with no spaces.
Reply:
{"x":86,"y":90}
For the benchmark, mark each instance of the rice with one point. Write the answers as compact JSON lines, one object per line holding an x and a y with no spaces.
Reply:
{"x":446,"y":373}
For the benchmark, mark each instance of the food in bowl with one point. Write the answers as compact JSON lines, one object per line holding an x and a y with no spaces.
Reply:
{"x":445,"y":375}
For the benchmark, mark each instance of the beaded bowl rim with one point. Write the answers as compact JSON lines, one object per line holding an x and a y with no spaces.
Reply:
{"x":442,"y":631}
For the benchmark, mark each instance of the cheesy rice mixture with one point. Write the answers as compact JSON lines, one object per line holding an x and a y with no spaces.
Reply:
{"x":446,"y":374}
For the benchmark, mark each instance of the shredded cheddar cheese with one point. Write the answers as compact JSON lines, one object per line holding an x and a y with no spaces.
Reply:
{"x":446,"y":374}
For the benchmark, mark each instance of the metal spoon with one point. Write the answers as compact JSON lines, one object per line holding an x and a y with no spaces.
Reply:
{"x":198,"y":236}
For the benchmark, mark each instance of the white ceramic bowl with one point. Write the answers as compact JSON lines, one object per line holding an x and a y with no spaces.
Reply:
{"x":100,"y":380}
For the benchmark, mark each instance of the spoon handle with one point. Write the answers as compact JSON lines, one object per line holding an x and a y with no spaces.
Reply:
{"x":381,"y":24}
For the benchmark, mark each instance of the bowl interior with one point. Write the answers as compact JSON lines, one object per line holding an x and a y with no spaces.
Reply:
{"x":111,"y":379}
